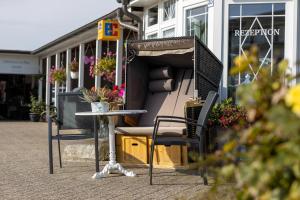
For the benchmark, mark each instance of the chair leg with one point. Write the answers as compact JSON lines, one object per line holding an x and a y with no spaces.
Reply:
{"x":151,"y":161}
{"x":202,"y":147}
{"x":59,"y":152}
{"x":50,"y":145}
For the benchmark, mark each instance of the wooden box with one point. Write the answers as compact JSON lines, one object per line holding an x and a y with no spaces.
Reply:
{"x":132,"y":150}
{"x":136,"y":150}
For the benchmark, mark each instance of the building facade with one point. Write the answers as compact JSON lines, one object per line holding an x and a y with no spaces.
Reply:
{"x":229,"y":28}
{"x":19,"y":78}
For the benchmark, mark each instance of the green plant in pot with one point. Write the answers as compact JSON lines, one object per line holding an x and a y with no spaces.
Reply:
{"x":57,"y":75}
{"x":103,"y":99}
{"x":36,"y":109}
{"x":74,"y":68}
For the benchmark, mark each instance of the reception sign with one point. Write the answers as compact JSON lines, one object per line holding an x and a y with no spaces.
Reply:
{"x":108,"y":30}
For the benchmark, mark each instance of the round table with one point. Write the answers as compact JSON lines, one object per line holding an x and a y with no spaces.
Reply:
{"x":112,"y":165}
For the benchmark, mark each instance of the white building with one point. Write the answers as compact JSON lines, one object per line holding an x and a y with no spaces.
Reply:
{"x":227,"y":27}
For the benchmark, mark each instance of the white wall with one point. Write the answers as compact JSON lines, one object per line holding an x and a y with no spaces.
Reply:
{"x":19,"y":64}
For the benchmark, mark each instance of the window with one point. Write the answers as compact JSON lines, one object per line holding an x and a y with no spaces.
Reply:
{"x":169,"y":10}
{"x":152,"y":36}
{"x":169,"y":33}
{"x":259,"y":24}
{"x":196,"y":22}
{"x":153,"y":16}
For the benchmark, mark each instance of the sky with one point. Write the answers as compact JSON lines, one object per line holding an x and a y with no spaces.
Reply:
{"x":29,"y":24}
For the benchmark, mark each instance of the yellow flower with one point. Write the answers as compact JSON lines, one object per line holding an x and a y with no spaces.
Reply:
{"x":293,"y":99}
{"x":296,"y":109}
{"x":241,"y":64}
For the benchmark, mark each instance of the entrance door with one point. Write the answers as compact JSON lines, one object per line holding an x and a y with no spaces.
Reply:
{"x":15,"y":91}
{"x":260,"y":24}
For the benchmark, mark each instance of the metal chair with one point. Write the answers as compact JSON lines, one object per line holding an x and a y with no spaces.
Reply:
{"x":200,"y":132}
{"x":68,"y":104}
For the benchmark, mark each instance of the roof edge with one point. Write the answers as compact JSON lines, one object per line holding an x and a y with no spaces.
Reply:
{"x":74,"y":32}
{"x":8,"y":51}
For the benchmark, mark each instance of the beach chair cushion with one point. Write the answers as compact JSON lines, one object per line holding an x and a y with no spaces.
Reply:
{"x":161,"y":103}
{"x":166,"y":85}
{"x":169,"y":131}
{"x":161,"y":73}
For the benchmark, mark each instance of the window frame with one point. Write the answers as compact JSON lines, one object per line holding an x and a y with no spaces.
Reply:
{"x":152,"y":33}
{"x":168,"y":28}
{"x":163,"y":13}
{"x":161,"y":25}
{"x":147,"y":16}
{"x":186,"y":8}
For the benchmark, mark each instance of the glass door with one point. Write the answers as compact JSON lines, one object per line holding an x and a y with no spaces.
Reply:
{"x":260,"y":24}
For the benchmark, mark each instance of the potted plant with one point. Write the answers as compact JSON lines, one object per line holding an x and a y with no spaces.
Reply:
{"x":36,"y":108}
{"x":225,"y":116}
{"x":74,"y":67}
{"x":58,"y":75}
{"x":103,"y":99}
{"x":105,"y":66}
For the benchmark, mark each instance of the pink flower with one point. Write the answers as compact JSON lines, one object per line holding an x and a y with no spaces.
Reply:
{"x":121,"y":93}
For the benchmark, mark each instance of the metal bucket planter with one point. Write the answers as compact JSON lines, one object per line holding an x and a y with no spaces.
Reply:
{"x":100,"y":106}
{"x":34,"y":117}
{"x":217,"y":137}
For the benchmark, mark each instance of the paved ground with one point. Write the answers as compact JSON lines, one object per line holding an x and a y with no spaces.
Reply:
{"x":24,"y":173}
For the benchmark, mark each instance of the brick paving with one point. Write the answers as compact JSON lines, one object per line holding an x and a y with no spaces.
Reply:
{"x":24,"y":173}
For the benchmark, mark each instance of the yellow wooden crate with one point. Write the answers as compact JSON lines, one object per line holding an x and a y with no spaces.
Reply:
{"x":166,"y":156}
{"x":136,"y":150}
{"x":133,"y":149}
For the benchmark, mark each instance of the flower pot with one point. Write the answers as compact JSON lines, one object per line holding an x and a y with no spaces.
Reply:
{"x":217,"y":137}
{"x":100,"y":106}
{"x":34,"y":117}
{"x":74,"y":75}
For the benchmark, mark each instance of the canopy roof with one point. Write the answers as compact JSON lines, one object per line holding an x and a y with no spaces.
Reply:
{"x":157,"y":47}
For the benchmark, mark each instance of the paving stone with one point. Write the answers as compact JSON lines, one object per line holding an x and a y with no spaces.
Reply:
{"x":24,"y":173}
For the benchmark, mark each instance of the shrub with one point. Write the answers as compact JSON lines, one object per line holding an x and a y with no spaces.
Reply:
{"x":269,"y":165}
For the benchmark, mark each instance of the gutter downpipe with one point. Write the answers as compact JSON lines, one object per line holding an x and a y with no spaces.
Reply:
{"x":122,"y":23}
{"x":132,"y":16}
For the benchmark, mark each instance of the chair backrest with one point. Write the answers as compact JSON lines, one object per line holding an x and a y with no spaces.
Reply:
{"x":169,"y":103}
{"x":205,"y":111}
{"x":68,"y":104}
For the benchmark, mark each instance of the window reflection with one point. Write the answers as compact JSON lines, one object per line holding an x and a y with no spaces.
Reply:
{"x":259,"y":24}
{"x":196,"y":23}
{"x":153,"y":16}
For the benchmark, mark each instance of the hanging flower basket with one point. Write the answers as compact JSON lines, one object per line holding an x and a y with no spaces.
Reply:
{"x":58,"y":75}
{"x":74,"y":75}
{"x":74,"y":68}
{"x":103,"y":66}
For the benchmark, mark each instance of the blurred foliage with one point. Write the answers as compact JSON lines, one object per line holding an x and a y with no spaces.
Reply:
{"x":262,"y":160}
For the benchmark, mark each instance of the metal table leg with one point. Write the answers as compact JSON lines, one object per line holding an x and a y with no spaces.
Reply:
{"x":96,"y":143}
{"x":112,"y":165}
